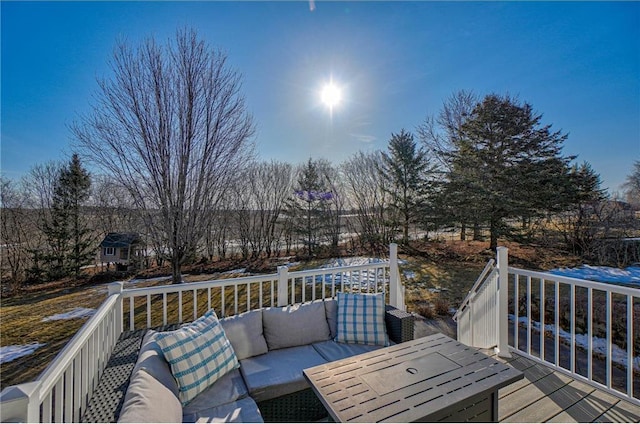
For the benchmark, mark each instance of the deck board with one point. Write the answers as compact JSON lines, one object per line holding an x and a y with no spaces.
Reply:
{"x":545,"y":395}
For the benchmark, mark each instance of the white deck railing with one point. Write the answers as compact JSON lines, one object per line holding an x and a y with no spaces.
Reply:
{"x":62,"y":391}
{"x":540,"y":319}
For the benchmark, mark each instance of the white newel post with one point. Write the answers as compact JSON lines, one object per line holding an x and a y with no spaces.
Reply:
{"x":396,"y":290}
{"x":502,"y":309}
{"x":116,"y":288}
{"x":20,"y":404}
{"x":283,"y":285}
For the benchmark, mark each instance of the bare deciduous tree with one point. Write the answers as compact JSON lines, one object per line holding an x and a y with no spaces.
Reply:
{"x":171,"y":126}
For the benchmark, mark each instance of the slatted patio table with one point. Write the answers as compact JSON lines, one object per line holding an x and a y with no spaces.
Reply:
{"x":432,"y":378}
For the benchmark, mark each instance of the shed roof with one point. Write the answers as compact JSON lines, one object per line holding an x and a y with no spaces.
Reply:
{"x":121,"y":240}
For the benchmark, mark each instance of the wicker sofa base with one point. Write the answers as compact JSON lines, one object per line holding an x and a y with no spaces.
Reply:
{"x":302,"y":406}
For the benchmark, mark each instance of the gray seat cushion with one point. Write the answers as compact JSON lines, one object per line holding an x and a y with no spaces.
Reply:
{"x":228,"y":388}
{"x":244,"y":331}
{"x":295,"y":325}
{"x":278,"y":372}
{"x":334,"y":351}
{"x":243,"y":410}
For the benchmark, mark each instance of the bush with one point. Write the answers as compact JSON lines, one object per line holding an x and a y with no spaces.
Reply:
{"x":427,"y":311}
{"x":441,"y":306}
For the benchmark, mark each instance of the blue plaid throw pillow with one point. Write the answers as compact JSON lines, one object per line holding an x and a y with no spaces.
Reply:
{"x":361,"y":319}
{"x":199,"y":354}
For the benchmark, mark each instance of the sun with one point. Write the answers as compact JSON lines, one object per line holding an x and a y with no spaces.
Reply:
{"x":331,"y":95}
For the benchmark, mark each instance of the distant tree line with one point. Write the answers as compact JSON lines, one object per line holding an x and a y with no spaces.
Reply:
{"x":171,"y":136}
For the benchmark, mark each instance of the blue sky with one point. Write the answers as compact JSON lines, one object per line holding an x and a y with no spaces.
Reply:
{"x":577,"y":63}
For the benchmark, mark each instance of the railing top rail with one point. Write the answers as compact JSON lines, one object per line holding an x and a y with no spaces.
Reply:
{"x":63,"y":359}
{"x":333,"y":270}
{"x":614,"y":288}
{"x":197,"y":285}
{"x":244,"y":280}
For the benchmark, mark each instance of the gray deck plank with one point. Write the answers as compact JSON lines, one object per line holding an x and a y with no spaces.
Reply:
{"x":621,"y":412}
{"x":527,"y":397}
{"x":588,"y":409}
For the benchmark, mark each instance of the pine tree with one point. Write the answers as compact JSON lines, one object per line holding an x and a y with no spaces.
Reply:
{"x":513,"y":165}
{"x":406,"y":168}
{"x":308,"y":205}
{"x":68,"y":238}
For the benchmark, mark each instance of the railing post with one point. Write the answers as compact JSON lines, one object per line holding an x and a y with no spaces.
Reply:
{"x":19,"y":403}
{"x":283,"y":285}
{"x":396,"y":293}
{"x":116,"y":288}
{"x":502,"y":309}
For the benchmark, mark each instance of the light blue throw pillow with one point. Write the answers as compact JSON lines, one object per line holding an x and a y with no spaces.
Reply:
{"x":361,"y":319}
{"x":199,"y":354}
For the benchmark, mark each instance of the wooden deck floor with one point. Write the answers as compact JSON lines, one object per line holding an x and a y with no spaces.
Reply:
{"x":545,"y":395}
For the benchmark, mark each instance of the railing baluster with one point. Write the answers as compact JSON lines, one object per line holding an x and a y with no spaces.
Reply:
{"x":148,"y":311}
{"x":529,"y":315}
{"x":235,"y":298}
{"x":630,"y":342}
{"x":59,"y":400}
{"x":131,"y":314}
{"x":77,"y":390}
{"x":572,"y":299}
{"x":68,"y":394}
{"x":222,"y":299}
{"x":179,"y":306}
{"x":46,"y":409}
{"x":590,"y":333}
{"x":516,"y":307}
{"x":542,"y":313}
{"x":556,"y":348}
{"x":208,"y":298}
{"x":608,"y":323}
{"x":304,"y":285}
{"x":195,"y":304}
{"x":248,"y":296}
{"x":164,"y":308}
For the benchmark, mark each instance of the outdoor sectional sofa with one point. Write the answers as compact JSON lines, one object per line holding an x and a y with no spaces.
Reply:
{"x":273,"y":345}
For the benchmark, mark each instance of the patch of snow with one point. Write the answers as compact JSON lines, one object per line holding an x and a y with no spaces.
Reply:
{"x":409,"y":275}
{"x":598,"y":344}
{"x":602,"y":274}
{"x":74,"y":313}
{"x":142,"y":280}
{"x":9,"y":353}
{"x":236,"y":271}
{"x":357,"y":260}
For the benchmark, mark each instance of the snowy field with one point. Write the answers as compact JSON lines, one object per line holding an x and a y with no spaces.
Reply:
{"x":9,"y":353}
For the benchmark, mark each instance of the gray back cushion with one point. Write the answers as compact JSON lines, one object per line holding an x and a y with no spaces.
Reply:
{"x":151,"y":360}
{"x":244,"y":331}
{"x":295,"y":325}
{"x":331,"y":309}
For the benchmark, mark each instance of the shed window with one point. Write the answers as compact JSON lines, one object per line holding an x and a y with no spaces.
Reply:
{"x":109,"y":251}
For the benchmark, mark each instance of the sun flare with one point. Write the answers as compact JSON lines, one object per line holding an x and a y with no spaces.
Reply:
{"x":331,"y":95}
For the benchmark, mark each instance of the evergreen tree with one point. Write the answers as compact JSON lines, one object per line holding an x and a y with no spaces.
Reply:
{"x":309,"y":204}
{"x":406,"y":167}
{"x":513,"y":165}
{"x":67,"y":235}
